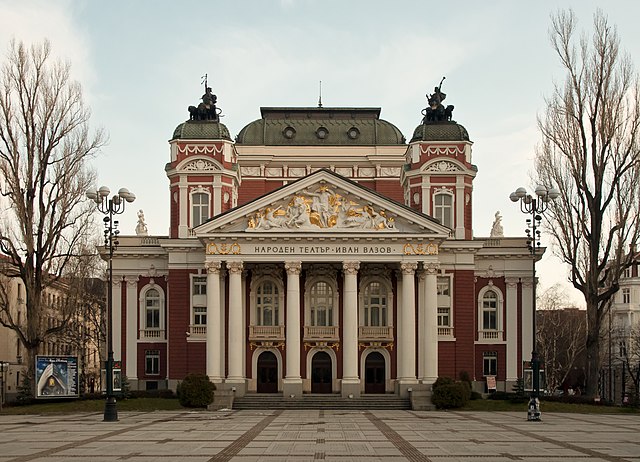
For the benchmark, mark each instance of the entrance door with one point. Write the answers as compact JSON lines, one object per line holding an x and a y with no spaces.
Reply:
{"x":374,"y":373}
{"x":321,"y":373}
{"x":267,"y":373}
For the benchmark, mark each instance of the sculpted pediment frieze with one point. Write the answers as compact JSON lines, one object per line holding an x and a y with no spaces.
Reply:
{"x":321,"y":208}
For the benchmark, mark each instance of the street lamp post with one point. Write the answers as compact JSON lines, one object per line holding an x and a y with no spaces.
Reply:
{"x":534,"y":206}
{"x":110,"y":206}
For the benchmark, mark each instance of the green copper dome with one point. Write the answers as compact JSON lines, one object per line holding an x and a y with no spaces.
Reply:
{"x":440,"y":131}
{"x":201,"y":130}
{"x":317,"y":126}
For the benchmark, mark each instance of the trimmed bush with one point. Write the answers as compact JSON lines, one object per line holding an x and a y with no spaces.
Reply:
{"x":448,"y":394}
{"x":196,"y":391}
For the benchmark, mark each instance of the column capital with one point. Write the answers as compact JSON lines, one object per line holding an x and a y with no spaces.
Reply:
{"x":293,"y":267}
{"x":511,"y":283}
{"x":131,"y":280}
{"x":408,"y":267}
{"x":350,"y":267}
{"x":213,"y":267}
{"x":235,"y":267}
{"x":430,"y":267}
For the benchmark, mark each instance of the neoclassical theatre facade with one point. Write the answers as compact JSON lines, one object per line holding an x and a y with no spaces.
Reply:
{"x":321,"y":252}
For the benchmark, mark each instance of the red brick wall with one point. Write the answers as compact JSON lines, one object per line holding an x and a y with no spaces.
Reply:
{"x":179,"y":311}
{"x":250,"y":189}
{"x":142,"y":349}
{"x":391,"y":189}
{"x":464,"y":318}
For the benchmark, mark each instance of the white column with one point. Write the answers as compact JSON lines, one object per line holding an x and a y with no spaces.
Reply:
{"x":422,"y":331}
{"x":236,"y":328}
{"x":527,"y":318}
{"x":116,"y":313}
{"x":132,"y":328}
{"x":459,"y":204}
{"x":214,"y":329}
{"x":292,"y":383}
{"x":183,"y":226}
{"x":512,"y":329}
{"x":407,"y":340}
{"x":430,"y":324}
{"x":350,"y":377}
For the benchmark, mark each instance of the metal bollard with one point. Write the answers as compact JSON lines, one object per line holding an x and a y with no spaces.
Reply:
{"x":533,"y":413}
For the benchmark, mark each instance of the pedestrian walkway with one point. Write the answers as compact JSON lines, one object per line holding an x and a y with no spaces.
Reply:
{"x":296,"y":435}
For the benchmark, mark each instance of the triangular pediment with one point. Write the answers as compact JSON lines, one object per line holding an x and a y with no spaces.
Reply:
{"x":323,"y":202}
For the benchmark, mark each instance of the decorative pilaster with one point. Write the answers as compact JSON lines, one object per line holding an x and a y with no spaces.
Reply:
{"x":512,"y":329}
{"x":131,"y":341}
{"x":430,"y":324}
{"x":236,"y":327}
{"x":350,"y":377}
{"x":407,"y":336}
{"x":116,"y":313}
{"x":214,"y":327}
{"x":292,"y":383}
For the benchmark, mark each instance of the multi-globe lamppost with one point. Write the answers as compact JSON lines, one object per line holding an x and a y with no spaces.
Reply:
{"x":534,"y":206}
{"x":110,"y":206}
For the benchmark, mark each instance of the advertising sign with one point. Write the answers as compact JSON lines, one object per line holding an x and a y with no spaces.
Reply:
{"x":57,"y":377}
{"x":117,"y":376}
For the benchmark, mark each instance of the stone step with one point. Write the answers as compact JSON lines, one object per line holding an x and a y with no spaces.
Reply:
{"x":269,"y":401}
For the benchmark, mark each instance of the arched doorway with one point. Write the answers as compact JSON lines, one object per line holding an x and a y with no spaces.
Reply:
{"x":267,"y":373}
{"x":321,"y":373}
{"x":374,"y":375}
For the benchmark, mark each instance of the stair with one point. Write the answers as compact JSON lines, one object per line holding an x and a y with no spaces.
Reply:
{"x":264,"y":401}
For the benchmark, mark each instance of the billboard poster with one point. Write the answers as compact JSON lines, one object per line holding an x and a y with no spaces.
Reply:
{"x":57,"y":377}
{"x":117,"y":376}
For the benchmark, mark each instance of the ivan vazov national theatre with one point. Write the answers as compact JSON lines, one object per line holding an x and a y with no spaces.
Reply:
{"x":320,"y":252}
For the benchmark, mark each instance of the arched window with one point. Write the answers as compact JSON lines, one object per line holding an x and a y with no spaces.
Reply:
{"x":199,"y":208}
{"x":375,"y":304}
{"x":267,"y":304}
{"x":152,"y":309}
{"x":443,"y":208}
{"x":321,"y":304}
{"x":490,"y":310}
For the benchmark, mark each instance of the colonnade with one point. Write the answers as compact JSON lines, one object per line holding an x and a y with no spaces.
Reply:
{"x":408,"y":352}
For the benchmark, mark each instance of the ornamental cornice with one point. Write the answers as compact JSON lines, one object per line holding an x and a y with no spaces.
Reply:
{"x":191,"y":149}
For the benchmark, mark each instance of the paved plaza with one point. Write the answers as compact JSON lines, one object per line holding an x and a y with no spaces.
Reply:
{"x":330,"y":435}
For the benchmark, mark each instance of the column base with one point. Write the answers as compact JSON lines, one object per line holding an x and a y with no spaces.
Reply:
{"x":238,"y":386}
{"x":404,"y":387}
{"x":350,"y":388}
{"x":292,"y":388}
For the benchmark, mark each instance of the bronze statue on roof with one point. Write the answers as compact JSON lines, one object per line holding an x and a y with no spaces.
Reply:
{"x":207,"y":109}
{"x":437,"y":112}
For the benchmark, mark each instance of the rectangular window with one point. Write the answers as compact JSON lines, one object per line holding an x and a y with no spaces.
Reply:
{"x":490,"y":363}
{"x":199,"y":285}
{"x":444,"y":319}
{"x":152,"y":362}
{"x":626,"y":296}
{"x":200,"y":315}
{"x":627,"y":272}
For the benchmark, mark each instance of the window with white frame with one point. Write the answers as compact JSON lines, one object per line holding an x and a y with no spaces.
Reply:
{"x":444,"y":301}
{"x":199,"y":208}
{"x":267,"y":304}
{"x":200,"y":315}
{"x":443,"y":208}
{"x":199,"y":285}
{"x":375,"y":304}
{"x":152,"y":362}
{"x":626,"y":296}
{"x":490,"y":363}
{"x":627,"y":272}
{"x":321,"y":300}
{"x":490,"y":310}
{"x":152,"y":309}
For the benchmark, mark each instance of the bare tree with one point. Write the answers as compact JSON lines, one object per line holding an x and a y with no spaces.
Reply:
{"x":589,"y":151}
{"x":561,"y":332}
{"x":45,"y":143}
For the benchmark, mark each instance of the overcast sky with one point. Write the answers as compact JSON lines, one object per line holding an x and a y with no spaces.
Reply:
{"x":141,"y":62}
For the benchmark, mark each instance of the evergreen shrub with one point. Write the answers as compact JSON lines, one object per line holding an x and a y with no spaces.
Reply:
{"x":449,"y":394}
{"x":196,"y":391}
